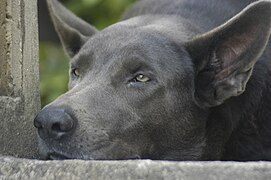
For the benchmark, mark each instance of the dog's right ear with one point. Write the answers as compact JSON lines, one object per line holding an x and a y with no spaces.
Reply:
{"x":224,"y":57}
{"x":72,"y":31}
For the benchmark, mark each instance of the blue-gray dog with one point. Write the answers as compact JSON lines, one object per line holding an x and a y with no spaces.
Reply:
{"x":174,"y":80}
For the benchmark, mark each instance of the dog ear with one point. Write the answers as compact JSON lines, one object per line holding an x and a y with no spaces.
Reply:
{"x":224,"y":57}
{"x":72,"y":31}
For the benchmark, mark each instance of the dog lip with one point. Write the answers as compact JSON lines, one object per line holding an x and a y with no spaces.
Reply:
{"x":57,"y":156}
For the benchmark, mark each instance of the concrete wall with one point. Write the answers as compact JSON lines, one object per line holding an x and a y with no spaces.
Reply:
{"x":19,"y":77}
{"x":118,"y":170}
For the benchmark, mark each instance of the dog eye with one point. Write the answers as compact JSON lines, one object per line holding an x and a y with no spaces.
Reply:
{"x":141,"y":78}
{"x":75,"y":72}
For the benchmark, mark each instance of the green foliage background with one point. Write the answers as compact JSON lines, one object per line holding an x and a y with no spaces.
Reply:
{"x":53,"y":61}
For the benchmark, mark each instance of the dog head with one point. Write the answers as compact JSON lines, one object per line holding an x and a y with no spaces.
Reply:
{"x":144,"y":87}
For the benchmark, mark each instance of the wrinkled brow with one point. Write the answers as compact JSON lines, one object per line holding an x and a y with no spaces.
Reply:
{"x":82,"y":60}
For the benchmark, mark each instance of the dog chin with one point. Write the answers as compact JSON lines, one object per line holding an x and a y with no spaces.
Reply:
{"x":46,"y":153}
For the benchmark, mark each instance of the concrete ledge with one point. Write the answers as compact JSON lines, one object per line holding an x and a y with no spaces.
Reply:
{"x":12,"y":168}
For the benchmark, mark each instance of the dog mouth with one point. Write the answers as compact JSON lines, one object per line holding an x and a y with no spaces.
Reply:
{"x":49,"y":153}
{"x":57,"y":156}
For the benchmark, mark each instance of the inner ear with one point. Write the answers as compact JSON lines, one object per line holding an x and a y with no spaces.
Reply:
{"x":224,"y":57}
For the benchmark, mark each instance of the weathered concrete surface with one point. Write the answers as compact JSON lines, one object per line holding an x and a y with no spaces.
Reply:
{"x":19,"y":77}
{"x":11,"y":168}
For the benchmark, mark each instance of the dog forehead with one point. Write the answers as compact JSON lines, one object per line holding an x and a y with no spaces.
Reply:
{"x":120,"y":43}
{"x":122,"y":38}
{"x":118,"y":37}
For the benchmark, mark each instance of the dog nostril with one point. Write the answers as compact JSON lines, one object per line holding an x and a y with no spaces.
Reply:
{"x":56,"y":127}
{"x":62,"y":127}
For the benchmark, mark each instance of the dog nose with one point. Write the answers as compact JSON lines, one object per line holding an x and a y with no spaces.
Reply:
{"x":54,"y":123}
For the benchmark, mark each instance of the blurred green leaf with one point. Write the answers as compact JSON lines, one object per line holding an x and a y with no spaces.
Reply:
{"x":90,"y":2}
{"x":53,"y":72}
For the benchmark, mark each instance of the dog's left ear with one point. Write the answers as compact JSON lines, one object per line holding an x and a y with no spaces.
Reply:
{"x":72,"y":31}
{"x":224,"y":57}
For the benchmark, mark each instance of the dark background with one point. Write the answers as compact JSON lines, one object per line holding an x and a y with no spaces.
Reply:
{"x":53,"y":61}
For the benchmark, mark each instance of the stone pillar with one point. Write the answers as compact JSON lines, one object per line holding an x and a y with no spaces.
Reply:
{"x":19,"y":77}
